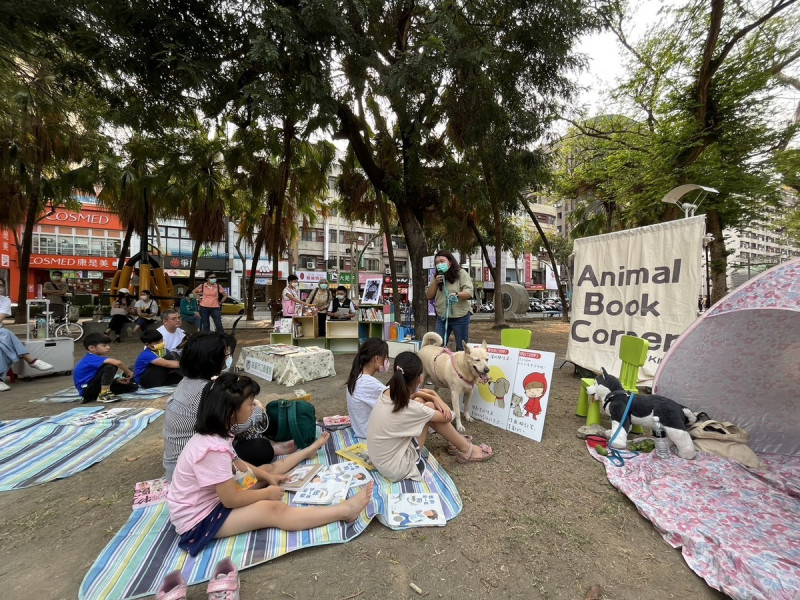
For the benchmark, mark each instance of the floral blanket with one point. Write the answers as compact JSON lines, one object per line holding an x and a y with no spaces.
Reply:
{"x":738,"y":528}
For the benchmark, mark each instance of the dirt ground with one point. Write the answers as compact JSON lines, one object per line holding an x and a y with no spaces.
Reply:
{"x":540,"y":520}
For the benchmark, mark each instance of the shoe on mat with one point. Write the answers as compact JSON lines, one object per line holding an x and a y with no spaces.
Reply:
{"x":224,"y":584}
{"x":172,"y":588}
{"x":4,"y":386}
{"x":38,"y":363}
{"x":108,"y":397}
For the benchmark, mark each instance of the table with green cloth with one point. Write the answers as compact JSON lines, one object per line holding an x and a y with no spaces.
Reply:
{"x":287,"y":365}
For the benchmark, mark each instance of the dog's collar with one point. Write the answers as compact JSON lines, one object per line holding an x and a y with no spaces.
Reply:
{"x":611,"y":396}
{"x":455,"y":368}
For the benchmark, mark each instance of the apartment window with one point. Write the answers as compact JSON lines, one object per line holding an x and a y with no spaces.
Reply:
{"x":332,"y":236}
{"x":511,"y":276}
{"x":308,"y":235}
{"x":399,"y":243}
{"x":307,"y":262}
{"x":401,"y":267}
{"x":371,"y":264}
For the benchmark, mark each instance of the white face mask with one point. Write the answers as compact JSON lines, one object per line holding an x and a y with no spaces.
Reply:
{"x":228,"y":362}
{"x":384,"y":368}
{"x":339,"y":297}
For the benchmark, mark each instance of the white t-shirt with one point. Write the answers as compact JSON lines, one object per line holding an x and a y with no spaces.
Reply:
{"x":389,"y":437}
{"x":360,"y":402}
{"x":5,"y":305}
{"x":172,"y":340}
{"x":151,"y":305}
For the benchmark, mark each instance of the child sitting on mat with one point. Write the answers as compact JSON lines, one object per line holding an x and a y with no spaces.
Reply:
{"x":94,"y":374}
{"x":214,"y":494}
{"x":398,"y":426}
{"x":363,"y":388}
{"x":152,"y":368}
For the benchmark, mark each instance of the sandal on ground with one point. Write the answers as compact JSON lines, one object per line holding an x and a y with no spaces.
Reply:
{"x":451,"y":448}
{"x":467,"y":456}
{"x":172,"y":588}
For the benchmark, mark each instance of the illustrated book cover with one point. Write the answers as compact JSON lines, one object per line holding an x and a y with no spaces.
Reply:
{"x":416,"y":510}
{"x":358,"y":454}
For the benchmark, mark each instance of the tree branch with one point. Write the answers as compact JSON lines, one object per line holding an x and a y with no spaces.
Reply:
{"x":352,"y":129}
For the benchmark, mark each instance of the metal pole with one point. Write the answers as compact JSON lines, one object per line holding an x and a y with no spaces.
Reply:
{"x":708,"y":278}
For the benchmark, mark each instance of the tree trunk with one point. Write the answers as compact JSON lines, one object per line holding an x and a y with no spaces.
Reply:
{"x":277,"y":205}
{"x":384,"y":216}
{"x":719,"y":258}
{"x":482,"y":244}
{"x":126,"y":246}
{"x":417,"y":248}
{"x":499,"y":310}
{"x":27,"y":244}
{"x":561,"y":294}
{"x":193,"y":266}
{"x":274,"y":307}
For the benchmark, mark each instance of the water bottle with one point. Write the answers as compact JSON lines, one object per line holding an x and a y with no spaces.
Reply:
{"x":41,"y":329}
{"x":662,"y":441}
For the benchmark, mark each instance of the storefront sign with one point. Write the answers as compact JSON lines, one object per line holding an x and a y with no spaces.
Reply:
{"x":49,"y":261}
{"x":311,"y":276}
{"x":402,"y":282}
{"x":345,"y":278}
{"x":89,"y":218}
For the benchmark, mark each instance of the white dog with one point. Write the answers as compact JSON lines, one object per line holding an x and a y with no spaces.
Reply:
{"x":458,"y":371}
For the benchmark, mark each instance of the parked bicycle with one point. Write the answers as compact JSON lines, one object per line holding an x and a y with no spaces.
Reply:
{"x":64,"y":327}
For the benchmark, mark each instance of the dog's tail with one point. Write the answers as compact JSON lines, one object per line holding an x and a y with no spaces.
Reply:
{"x":432,"y":339}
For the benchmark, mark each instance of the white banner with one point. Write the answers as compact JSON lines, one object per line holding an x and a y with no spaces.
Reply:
{"x":640,"y":282}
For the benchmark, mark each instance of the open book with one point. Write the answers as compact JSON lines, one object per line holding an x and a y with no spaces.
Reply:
{"x":329,"y":485}
{"x":299,"y":476}
{"x":358,"y":454}
{"x":416,"y":510}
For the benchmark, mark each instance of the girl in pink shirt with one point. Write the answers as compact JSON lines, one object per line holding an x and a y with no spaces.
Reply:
{"x":214,"y":494}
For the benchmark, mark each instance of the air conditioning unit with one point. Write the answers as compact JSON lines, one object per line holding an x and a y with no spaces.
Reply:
{"x":372,"y":244}
{"x":311,"y":264}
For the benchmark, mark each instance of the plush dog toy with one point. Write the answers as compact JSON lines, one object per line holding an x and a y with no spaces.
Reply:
{"x":673,"y":417}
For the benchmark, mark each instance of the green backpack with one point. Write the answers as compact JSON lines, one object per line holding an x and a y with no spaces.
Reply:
{"x":292,"y":420}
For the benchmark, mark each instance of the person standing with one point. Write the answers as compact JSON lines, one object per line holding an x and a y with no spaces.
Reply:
{"x":54,"y":291}
{"x":211,"y":297}
{"x":190,"y":312}
{"x":341,"y":307}
{"x":290,"y":297}
{"x":320,"y":298}
{"x":452,"y":290}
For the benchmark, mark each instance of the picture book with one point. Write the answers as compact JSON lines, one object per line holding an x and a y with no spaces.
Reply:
{"x":146,"y":493}
{"x":329,"y":485}
{"x":416,"y":510}
{"x":336,"y":422}
{"x":299,"y":476}
{"x":358,"y":454}
{"x":97,"y":417}
{"x":360,"y":475}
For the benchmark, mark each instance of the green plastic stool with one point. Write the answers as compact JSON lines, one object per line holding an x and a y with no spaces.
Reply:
{"x":516,"y":338}
{"x":593,"y":413}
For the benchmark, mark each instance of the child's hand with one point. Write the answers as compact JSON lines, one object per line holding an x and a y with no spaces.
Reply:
{"x":274,"y":492}
{"x":274,"y":479}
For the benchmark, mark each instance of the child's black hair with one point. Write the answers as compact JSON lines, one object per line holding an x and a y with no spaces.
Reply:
{"x":407,"y":369}
{"x":219,"y":402}
{"x":203,"y":356}
{"x":367,"y":351}
{"x":93,"y":339}
{"x":341,"y":288}
{"x":151,"y":336}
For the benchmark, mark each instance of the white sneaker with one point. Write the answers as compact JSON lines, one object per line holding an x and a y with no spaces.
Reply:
{"x":40,"y":364}
{"x":4,"y":386}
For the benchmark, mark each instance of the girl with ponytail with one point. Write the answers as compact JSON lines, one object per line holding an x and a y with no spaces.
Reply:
{"x":363,"y":388}
{"x":214,"y":494}
{"x":398,"y":426}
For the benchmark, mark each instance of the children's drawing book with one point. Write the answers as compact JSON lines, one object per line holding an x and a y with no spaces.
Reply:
{"x":299,"y":476}
{"x":358,"y":454}
{"x":328,"y":486}
{"x":416,"y":510}
{"x":336,"y":422}
{"x":146,"y":493}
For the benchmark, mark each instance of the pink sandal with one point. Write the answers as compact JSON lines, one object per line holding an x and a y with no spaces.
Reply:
{"x":451,"y":448}
{"x":467,"y":456}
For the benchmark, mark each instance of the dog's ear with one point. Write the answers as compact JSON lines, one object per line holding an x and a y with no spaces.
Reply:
{"x":484,"y":345}
{"x":467,"y":349}
{"x":605,"y":373}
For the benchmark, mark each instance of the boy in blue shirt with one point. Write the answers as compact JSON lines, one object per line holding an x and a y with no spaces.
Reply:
{"x":151,"y":368}
{"x":94,"y":374}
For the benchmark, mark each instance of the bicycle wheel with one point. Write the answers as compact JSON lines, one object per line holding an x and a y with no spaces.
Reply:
{"x":69,"y":330}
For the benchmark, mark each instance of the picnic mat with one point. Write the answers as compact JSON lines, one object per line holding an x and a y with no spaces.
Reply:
{"x":38,"y":450}
{"x":135,"y":561}
{"x":738,"y":528}
{"x":70,"y":394}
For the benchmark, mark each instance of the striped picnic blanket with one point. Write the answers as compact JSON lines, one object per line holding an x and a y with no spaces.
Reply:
{"x":135,"y":561}
{"x":70,"y":394}
{"x":34,"y":451}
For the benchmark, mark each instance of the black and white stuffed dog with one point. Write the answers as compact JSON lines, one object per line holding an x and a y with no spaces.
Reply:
{"x":673,"y":417}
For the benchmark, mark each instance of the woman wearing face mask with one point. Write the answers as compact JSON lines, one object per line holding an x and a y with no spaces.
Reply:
{"x":452,"y":290}
{"x":320,"y":298}
{"x":146,"y":310}
{"x":121,"y":309}
{"x":211,"y":297}
{"x":363,"y":388}
{"x":190,"y":312}
{"x":341,"y":307}
{"x":290,"y":297}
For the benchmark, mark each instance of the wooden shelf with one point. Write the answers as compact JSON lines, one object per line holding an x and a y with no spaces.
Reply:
{"x":280,"y":338}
